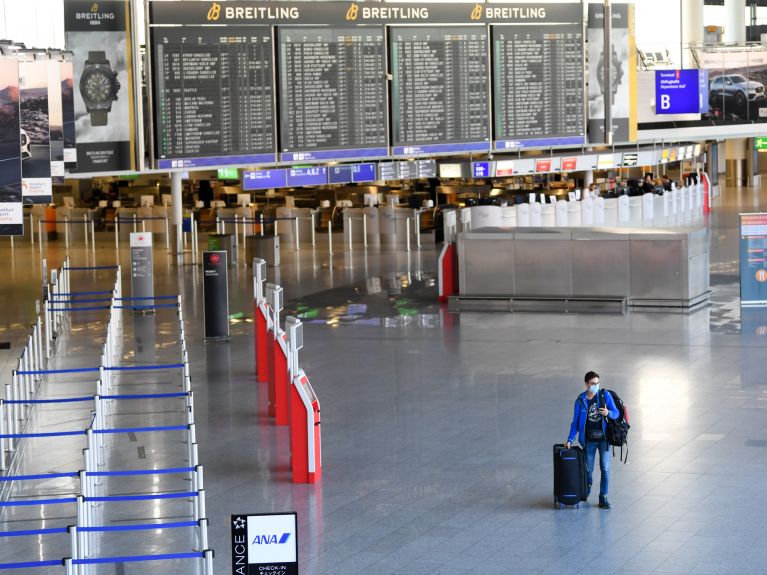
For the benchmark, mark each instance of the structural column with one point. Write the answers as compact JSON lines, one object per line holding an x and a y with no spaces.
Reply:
{"x":177,"y":211}
{"x":735,"y":21}
{"x":692,"y":29}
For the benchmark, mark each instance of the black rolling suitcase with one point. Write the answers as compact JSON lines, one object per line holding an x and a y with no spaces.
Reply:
{"x":569,"y":476}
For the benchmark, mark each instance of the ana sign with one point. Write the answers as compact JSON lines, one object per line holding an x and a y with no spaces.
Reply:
{"x":264,"y":543}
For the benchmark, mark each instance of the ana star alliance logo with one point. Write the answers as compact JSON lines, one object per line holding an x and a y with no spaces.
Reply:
{"x":239,"y":523}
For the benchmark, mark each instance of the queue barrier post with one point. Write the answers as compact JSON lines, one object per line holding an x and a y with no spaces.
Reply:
{"x":85,"y":230}
{"x":32,"y":228}
{"x":135,"y":223}
{"x":40,"y":233}
{"x":2,"y":432}
{"x":117,"y":231}
{"x":66,"y":232}
{"x":93,"y":235}
{"x":330,"y":237}
{"x":167,"y":234}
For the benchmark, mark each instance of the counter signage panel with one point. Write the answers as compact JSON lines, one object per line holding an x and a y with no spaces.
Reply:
{"x":504,"y":168}
{"x":543,"y":166}
{"x":480,"y":169}
{"x":316,"y":176}
{"x":264,"y":179}
{"x":439,"y":89}
{"x":388,"y":171}
{"x":340,"y":174}
{"x":213,"y":96}
{"x":569,"y":164}
{"x":630,"y":159}
{"x":427,"y":168}
{"x":538,"y":81}
{"x":363,"y":173}
{"x":332,"y":97}
{"x":408,"y":170}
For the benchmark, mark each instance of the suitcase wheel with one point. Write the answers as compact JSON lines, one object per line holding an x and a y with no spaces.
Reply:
{"x":577,"y":505}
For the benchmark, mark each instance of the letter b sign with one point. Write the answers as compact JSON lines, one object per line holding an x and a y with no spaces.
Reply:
{"x":665,"y":102}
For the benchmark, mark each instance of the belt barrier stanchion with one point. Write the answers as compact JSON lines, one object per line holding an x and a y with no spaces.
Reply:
{"x":274,"y":299}
{"x":167,"y":234}
{"x":349,"y":235}
{"x":417,"y":227}
{"x":407,"y":232}
{"x":135,"y":223}
{"x":330,"y":237}
{"x":32,"y":228}
{"x":365,"y":230}
{"x":40,"y":233}
{"x":66,"y":232}
{"x":295,"y":226}
{"x":93,"y":235}
{"x":117,"y":230}
{"x":235,"y":236}
{"x":85,"y":229}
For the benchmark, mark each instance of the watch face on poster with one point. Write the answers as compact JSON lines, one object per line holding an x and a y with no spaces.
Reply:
{"x":99,"y":87}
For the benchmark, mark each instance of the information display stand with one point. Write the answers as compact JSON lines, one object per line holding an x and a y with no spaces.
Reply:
{"x":215,"y":295}
{"x":142,"y":269}
{"x":305,"y":435}
{"x":753,"y":259}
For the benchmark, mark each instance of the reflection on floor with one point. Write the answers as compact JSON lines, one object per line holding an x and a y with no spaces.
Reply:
{"x":437,"y":428}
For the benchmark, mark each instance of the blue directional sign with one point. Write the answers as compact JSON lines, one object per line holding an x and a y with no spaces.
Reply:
{"x":317,"y":176}
{"x":363,"y":173}
{"x":480,"y":169}
{"x":681,"y":91}
{"x":264,"y":179}
{"x":340,"y":174}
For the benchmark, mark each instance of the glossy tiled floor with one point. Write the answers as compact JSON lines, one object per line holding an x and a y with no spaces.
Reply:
{"x":437,"y":429}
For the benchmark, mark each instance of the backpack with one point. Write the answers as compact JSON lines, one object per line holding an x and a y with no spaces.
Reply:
{"x":617,"y":429}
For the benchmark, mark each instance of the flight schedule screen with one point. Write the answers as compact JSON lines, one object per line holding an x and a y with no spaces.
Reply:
{"x":439,"y":89}
{"x":332,"y":93}
{"x":538,"y":85}
{"x":214,"y":95}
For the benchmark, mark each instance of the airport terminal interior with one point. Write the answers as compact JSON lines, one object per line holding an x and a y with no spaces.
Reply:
{"x":311,"y":287}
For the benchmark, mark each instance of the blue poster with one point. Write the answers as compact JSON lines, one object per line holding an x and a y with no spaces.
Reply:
{"x":753,"y":259}
{"x":681,"y":91}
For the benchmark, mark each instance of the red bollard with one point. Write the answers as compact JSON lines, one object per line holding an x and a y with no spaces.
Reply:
{"x":262,"y":341}
{"x":281,"y":380}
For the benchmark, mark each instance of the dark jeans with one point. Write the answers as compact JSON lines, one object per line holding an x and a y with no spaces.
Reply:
{"x":604,"y":463}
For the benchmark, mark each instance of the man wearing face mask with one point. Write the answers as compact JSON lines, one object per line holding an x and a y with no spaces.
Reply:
{"x":590,"y":414}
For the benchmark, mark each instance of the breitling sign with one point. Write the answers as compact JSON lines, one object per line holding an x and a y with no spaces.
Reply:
{"x":250,"y":12}
{"x":99,"y":35}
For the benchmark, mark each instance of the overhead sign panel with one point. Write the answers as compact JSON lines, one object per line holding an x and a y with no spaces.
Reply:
{"x":681,"y":91}
{"x":333,"y":93}
{"x":264,"y":179}
{"x":439,"y":89}
{"x":538,"y":79}
{"x":213,"y":96}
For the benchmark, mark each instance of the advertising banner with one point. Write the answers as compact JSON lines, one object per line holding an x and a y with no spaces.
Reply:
{"x":265,"y":543}
{"x":35,"y":128}
{"x":56,"y":120}
{"x":622,"y":62}
{"x":99,"y":35}
{"x":68,"y":111}
{"x":11,"y":211}
{"x":736,"y":84}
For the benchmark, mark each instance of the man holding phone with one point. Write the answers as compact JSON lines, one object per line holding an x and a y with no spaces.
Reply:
{"x":590,"y":423}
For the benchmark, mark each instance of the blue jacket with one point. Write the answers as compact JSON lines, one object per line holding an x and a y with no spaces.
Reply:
{"x":580,"y":414}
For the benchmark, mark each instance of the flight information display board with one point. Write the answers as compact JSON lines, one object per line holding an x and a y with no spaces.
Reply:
{"x":213,"y":96}
{"x":538,"y":88}
{"x":333,"y":93}
{"x":439,"y":89}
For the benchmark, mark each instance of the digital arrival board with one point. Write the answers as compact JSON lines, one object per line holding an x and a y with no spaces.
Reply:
{"x":439,"y":89}
{"x":538,"y":88}
{"x":333,"y":93}
{"x":213,"y":96}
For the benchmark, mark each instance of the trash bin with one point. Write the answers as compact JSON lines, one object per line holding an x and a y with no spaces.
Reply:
{"x":265,"y":247}
{"x":223,"y":242}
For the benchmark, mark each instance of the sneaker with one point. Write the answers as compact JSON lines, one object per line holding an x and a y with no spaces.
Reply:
{"x":588,"y":490}
{"x":603,"y":503}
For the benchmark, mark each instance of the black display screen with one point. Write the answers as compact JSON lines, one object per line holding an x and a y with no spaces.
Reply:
{"x":332,"y":93}
{"x":213,"y":96}
{"x":439,"y":89}
{"x":538,"y":85}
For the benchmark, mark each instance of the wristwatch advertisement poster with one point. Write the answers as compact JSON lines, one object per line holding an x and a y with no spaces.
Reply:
{"x":11,"y":209}
{"x":99,"y":35}
{"x":621,"y":63}
{"x":36,"y":186}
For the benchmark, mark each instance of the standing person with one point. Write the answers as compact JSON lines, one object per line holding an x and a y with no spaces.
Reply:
{"x":592,"y":408}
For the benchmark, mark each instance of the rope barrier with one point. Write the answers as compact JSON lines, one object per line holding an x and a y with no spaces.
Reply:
{"x":180,"y":495}
{"x":39,"y":401}
{"x":138,"y":219}
{"x":90,"y":268}
{"x":89,"y":308}
{"x":56,"y":371}
{"x":141,"y":429}
{"x":128,"y":473}
{"x":146,"y":395}
{"x":139,"y":527}
{"x":156,"y":306}
{"x":144,"y":367}
{"x":43,"y":434}
{"x":47,"y":531}
{"x":137,"y":558}
{"x":94,"y":300}
{"x":26,"y":564}
{"x":37,"y":502}
{"x":79,"y":293}
{"x":39,"y":476}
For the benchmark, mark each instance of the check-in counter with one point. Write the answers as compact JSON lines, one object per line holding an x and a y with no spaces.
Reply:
{"x":646,"y":267}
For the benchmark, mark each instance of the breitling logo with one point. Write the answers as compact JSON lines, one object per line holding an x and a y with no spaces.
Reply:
{"x":476,"y":12}
{"x":95,"y":7}
{"x":352,"y":12}
{"x":214,"y":13}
